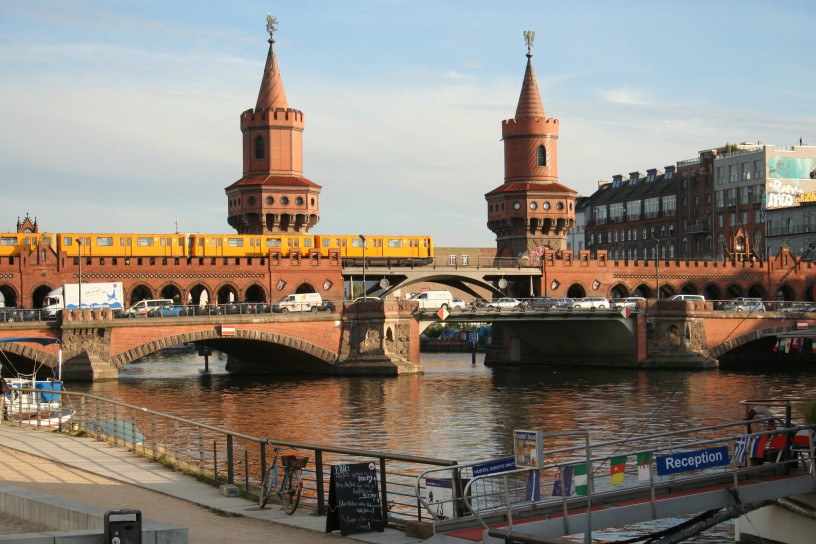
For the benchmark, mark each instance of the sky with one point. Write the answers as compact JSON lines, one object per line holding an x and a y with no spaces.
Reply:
{"x":123,"y":116}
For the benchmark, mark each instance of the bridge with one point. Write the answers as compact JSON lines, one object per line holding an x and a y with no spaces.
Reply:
{"x":382,"y":337}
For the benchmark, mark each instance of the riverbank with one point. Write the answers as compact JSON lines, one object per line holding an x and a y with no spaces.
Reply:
{"x":83,"y":471}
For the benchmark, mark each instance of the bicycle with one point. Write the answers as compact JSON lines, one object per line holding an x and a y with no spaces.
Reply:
{"x":290,"y":485}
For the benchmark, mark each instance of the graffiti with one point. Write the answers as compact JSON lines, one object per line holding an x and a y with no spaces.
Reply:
{"x":536,"y":254}
{"x":782,"y":195}
{"x":806,"y":197}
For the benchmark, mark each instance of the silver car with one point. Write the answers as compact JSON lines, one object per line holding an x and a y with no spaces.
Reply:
{"x":745,"y":304}
{"x":591,"y":303}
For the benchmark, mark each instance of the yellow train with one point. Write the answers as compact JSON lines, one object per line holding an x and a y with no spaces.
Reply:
{"x":123,"y":245}
{"x":13,"y":244}
{"x":399,"y":249}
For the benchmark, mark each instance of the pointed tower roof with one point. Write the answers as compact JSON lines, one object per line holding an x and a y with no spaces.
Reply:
{"x":529,"y":104}
{"x":271,"y":95}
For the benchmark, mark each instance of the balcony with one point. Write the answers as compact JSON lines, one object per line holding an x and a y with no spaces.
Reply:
{"x":697,"y":228}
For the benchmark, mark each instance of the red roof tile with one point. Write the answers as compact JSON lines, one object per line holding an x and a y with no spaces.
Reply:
{"x":531,"y":186}
{"x":275,"y":181}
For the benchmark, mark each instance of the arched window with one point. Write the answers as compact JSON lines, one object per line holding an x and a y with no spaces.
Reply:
{"x":259,"y":147}
{"x":541,"y":156}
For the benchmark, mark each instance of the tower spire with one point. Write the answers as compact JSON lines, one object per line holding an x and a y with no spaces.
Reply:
{"x":529,"y":104}
{"x":272,"y":94}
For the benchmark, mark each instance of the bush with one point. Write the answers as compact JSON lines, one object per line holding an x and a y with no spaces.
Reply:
{"x":808,"y":410}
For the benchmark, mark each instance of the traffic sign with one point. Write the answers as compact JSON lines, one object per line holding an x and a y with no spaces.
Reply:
{"x":443,"y":313}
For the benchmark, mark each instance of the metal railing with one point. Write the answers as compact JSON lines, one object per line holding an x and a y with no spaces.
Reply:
{"x":459,"y":496}
{"x":220,"y":456}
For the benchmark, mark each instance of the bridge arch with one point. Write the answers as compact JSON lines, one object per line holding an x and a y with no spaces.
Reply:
{"x":139,"y":291}
{"x":28,"y":359}
{"x":211,"y":336}
{"x":453,"y":281}
{"x":732,"y":343}
{"x":255,"y":293}
{"x":226,"y":292}
{"x":305,"y":287}
{"x":172,"y":291}
{"x":712,"y":291}
{"x":8,"y":295}
{"x":785,"y":292}
{"x":198,"y":294}
{"x":619,"y":290}
{"x":39,"y":293}
{"x":576,"y":290}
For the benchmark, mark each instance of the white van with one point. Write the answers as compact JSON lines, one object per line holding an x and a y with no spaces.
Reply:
{"x":433,"y":300}
{"x":299,"y":302}
{"x":141,"y":308}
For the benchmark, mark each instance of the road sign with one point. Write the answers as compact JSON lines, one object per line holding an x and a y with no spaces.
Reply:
{"x":626,"y":312}
{"x":443,"y":313}
{"x":801,"y":325}
{"x":227,"y":330}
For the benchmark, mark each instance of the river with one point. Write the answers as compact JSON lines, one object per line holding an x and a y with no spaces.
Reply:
{"x":456,"y":410}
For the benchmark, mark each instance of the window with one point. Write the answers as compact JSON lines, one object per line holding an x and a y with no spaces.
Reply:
{"x":745,"y":171}
{"x":392,"y":242}
{"x":259,"y":147}
{"x":452,"y":260}
{"x":720,"y":175}
{"x":732,"y":173}
{"x":616,"y":212}
{"x":12,"y":241}
{"x":270,"y":200}
{"x":732,"y":196}
{"x":284,"y":200}
{"x":235,"y":242}
{"x":759,"y":169}
{"x":633,"y":210}
{"x":720,"y":199}
{"x":299,"y":201}
{"x":251,"y":201}
{"x":273,"y":242}
{"x":541,"y":156}
{"x":744,"y":193}
{"x":670,"y":204}
{"x":104,"y":240}
{"x":651,"y":207}
{"x":143,"y":241}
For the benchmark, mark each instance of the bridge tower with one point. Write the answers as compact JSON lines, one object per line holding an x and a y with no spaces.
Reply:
{"x":530,"y":210}
{"x":272,"y":196}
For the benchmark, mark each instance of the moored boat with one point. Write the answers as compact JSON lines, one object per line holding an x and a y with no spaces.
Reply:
{"x":29,"y":400}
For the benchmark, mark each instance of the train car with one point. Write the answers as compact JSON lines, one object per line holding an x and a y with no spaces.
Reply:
{"x":123,"y":245}
{"x":251,"y":245}
{"x":14,"y":244}
{"x":392,"y":249}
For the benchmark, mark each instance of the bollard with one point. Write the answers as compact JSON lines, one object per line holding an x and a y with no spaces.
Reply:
{"x":126,"y":529}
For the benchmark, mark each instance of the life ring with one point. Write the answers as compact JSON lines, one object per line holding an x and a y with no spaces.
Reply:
{"x":760,"y":412}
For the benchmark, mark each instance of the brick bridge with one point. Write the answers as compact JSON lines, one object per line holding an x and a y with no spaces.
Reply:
{"x":383,"y":338}
{"x":369,"y":338}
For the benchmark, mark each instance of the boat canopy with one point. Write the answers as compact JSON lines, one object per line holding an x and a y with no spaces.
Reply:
{"x":41,"y":340}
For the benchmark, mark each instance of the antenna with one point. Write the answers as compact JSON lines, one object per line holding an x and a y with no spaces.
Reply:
{"x":177,"y":224}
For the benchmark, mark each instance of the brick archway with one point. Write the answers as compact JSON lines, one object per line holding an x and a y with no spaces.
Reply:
{"x":737,"y":341}
{"x":38,"y":355}
{"x":130,"y":355}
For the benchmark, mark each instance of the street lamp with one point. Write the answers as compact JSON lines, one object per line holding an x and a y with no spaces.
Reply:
{"x":363,"y":238}
{"x":79,"y":275}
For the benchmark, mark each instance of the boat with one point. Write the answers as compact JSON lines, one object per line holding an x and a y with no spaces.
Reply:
{"x":29,"y":400}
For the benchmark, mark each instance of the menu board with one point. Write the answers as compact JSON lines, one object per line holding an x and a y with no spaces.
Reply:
{"x":354,"y":499}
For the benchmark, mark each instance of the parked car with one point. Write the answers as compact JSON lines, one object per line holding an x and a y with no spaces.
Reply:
{"x":326,"y":306}
{"x":563,"y":303}
{"x":591,"y":303}
{"x":628,"y":302}
{"x":168,"y":311}
{"x":688,"y":298}
{"x":506,"y":303}
{"x":745,"y":304}
{"x":541,"y":303}
{"x":458,"y":304}
{"x":9,"y":314}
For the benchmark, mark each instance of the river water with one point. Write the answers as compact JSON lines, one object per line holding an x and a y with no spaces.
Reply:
{"x":456,"y":410}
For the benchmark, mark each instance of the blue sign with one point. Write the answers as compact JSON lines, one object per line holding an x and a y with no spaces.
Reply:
{"x":492,"y":467}
{"x":692,"y":460}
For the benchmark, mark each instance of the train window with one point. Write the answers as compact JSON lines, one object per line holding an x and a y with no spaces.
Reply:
{"x":235,"y":242}
{"x":8,"y":241}
{"x":181,"y":241}
{"x":307,"y":242}
{"x":161,"y":242}
{"x":220,"y":242}
{"x":394,"y":243}
{"x":47,"y":240}
{"x":67,"y":241}
{"x":27,"y":241}
{"x":104,"y":240}
{"x":144,"y":241}
{"x":293,"y":242}
{"x":273,"y":242}
{"x":356,"y":242}
{"x":129,"y":241}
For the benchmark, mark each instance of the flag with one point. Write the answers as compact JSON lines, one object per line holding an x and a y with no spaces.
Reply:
{"x":617,"y":466}
{"x":794,"y":343}
{"x":787,"y":345}
{"x":580,"y":476}
{"x":558,"y":488}
{"x":740,"y":449}
{"x":644,"y":465}
{"x":780,"y":344}
{"x":758,"y":446}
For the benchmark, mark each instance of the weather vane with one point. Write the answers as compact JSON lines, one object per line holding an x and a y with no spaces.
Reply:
{"x":529,"y":37}
{"x":271,"y":23}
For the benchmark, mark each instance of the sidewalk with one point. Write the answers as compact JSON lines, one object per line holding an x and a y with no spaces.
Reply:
{"x":99,"y":458}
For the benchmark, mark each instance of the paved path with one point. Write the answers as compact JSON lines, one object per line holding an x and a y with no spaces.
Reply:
{"x":91,"y":462}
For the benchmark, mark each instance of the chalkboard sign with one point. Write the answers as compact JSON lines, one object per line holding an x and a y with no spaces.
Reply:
{"x":354,"y":499}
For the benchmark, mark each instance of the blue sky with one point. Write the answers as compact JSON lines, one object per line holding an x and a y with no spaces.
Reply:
{"x":122,"y":116}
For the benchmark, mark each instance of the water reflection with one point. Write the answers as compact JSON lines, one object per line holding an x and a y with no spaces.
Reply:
{"x":456,"y":410}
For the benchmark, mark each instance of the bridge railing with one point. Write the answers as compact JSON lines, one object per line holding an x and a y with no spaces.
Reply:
{"x":471,"y":263}
{"x":221,"y":456}
{"x":576,"y":477}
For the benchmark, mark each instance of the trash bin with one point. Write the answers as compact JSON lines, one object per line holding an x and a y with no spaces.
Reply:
{"x":123,"y":527}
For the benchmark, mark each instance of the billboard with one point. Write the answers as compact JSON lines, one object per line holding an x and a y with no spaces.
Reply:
{"x":790,"y":182}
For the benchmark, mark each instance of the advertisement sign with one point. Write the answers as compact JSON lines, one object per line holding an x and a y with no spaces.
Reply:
{"x":692,"y":460}
{"x":527,"y":449}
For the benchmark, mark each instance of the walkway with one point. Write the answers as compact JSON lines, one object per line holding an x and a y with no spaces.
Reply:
{"x":98,"y":458}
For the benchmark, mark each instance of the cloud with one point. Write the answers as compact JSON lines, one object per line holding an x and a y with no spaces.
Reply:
{"x":623,"y":95}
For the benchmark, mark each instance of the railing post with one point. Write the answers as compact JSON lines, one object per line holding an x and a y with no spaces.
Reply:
{"x":319,"y":481}
{"x":383,"y":491}
{"x":230,"y":468}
